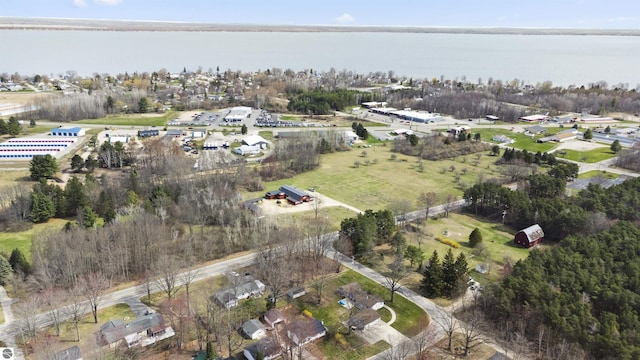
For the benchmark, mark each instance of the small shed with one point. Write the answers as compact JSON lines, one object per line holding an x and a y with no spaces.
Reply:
{"x":273,"y":317}
{"x":529,"y":237}
{"x":296,"y":292}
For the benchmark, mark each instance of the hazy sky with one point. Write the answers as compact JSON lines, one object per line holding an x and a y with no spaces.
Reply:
{"x":623,"y":14}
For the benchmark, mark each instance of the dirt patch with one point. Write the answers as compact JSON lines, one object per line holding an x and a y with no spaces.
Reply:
{"x":580,"y":145}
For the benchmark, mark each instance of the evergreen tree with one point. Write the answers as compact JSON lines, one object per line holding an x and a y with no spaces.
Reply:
{"x":5,"y":270}
{"x":211,"y":352}
{"x":91,"y":163}
{"x":42,"y":167}
{"x":588,"y":134}
{"x":461,"y":271}
{"x":75,"y":195}
{"x":475,"y":237}
{"x":615,"y":146}
{"x":89,"y":217}
{"x":19,"y":262}
{"x":432,"y":284}
{"x":42,"y":207}
{"x":244,"y":129}
{"x":13,"y":126}
{"x":77,"y":163}
{"x":449,"y":274}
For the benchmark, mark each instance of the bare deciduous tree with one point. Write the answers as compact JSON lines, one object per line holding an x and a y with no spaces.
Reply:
{"x":168,"y":270}
{"x":76,"y":308}
{"x":52,"y":299}
{"x":427,"y":200}
{"x":448,"y":323}
{"x":28,"y":313}
{"x":187,"y":277}
{"x":93,"y":286}
{"x":396,"y":273}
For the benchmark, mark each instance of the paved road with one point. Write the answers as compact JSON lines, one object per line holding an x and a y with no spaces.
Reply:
{"x":11,"y":328}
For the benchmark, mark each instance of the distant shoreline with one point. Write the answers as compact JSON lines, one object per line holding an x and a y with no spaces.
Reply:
{"x":13,"y":23}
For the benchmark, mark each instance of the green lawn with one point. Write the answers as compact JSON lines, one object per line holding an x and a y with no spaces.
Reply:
{"x":133,"y":120}
{"x":376,"y":185}
{"x":289,"y":117}
{"x":266,"y":134}
{"x":409,"y":317}
{"x":497,"y":238}
{"x":591,"y":156}
{"x":22,"y":240}
{"x":334,"y":214}
{"x":594,"y":173}
{"x":522,"y":141}
{"x":88,"y":328}
{"x":384,"y":180}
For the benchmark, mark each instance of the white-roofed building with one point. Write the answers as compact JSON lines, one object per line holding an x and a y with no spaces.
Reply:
{"x":255,"y":140}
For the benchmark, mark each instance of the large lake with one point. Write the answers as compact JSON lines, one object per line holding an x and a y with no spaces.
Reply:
{"x":564,"y":60}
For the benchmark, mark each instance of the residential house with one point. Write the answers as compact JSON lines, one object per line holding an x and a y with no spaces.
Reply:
{"x":273,"y":316}
{"x":226,"y":299}
{"x":360,"y":298}
{"x":142,"y":331}
{"x":529,"y":237}
{"x":364,"y":319}
{"x":268,"y":348}
{"x":305,"y":330}
{"x":243,"y":289}
{"x":254,"y":329}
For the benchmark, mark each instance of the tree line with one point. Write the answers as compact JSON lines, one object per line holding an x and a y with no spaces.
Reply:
{"x":321,"y":102}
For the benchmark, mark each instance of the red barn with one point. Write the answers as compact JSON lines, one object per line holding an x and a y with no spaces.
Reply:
{"x":529,"y":237}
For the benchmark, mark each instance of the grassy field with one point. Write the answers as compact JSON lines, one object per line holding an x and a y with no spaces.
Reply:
{"x":133,"y":120}
{"x":335,"y":214}
{"x":266,"y":134}
{"x":591,"y":156}
{"x":383,"y":181}
{"x":13,"y":177}
{"x":497,"y":239}
{"x":522,"y":141}
{"x":22,"y":240}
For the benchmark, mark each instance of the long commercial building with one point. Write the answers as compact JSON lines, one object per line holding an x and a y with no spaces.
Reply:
{"x":25,"y":149}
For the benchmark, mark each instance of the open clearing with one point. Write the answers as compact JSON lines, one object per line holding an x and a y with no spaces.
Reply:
{"x":384,"y":181}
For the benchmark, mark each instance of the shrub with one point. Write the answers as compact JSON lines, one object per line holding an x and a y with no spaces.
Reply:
{"x":307,"y":313}
{"x":341,"y":340}
{"x":452,"y":243}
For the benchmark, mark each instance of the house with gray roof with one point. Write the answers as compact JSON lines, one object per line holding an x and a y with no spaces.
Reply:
{"x":142,"y":331}
{"x":254,"y":329}
{"x":267,"y":347}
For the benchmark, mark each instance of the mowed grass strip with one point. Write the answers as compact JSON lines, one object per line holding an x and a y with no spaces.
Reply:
{"x":133,"y":120}
{"x":590,"y":156}
{"x":598,"y":173}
